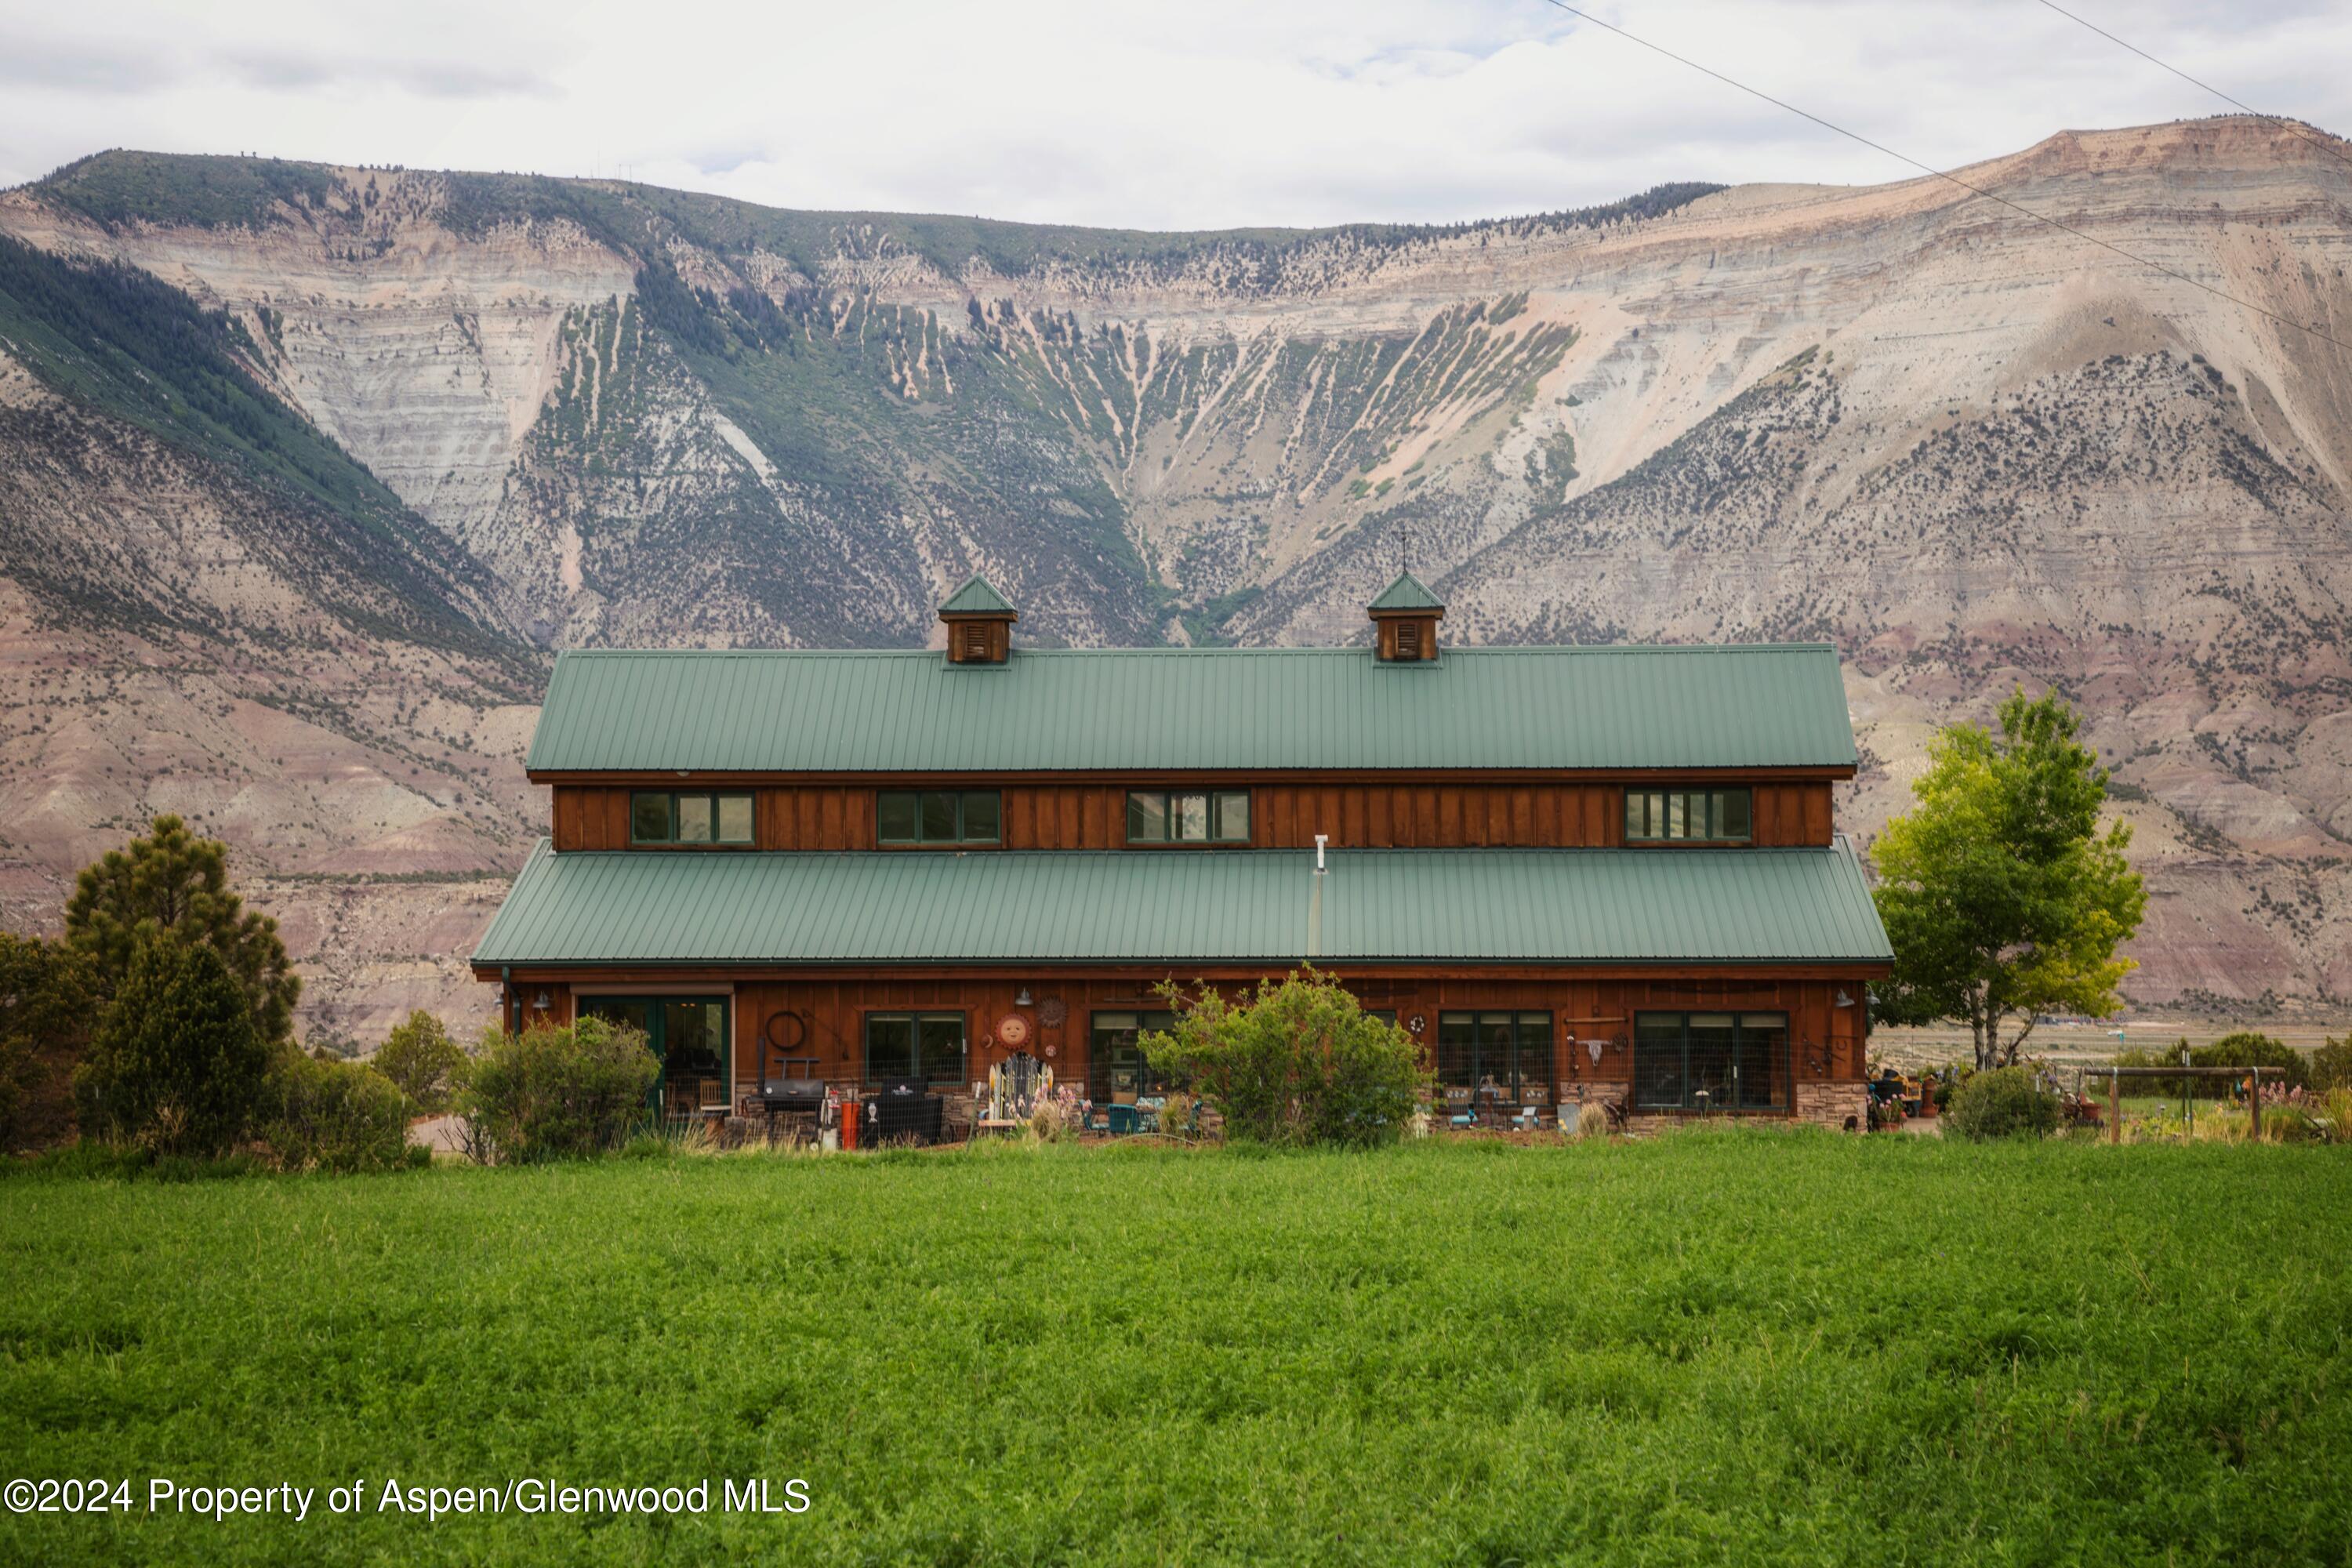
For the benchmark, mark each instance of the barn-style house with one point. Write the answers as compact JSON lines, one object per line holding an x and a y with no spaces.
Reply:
{"x":1605,"y":873}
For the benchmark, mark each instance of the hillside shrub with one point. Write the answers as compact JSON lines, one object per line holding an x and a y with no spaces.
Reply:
{"x":555,"y":1092}
{"x":2002,"y":1103}
{"x":176,"y":1063}
{"x":331,"y":1116}
{"x":1294,"y":1063}
{"x":422,"y":1061}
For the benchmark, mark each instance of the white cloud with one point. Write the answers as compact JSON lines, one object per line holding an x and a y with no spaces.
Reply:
{"x":1219,"y":113}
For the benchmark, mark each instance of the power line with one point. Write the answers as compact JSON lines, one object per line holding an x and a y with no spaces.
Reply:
{"x":2279,"y":120}
{"x":1954,"y":179}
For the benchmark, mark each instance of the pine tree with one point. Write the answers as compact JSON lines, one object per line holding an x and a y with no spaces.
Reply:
{"x":176,"y":1063}
{"x":175,"y":884}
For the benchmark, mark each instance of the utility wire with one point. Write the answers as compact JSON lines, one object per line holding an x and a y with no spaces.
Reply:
{"x":2278,"y":119}
{"x":1951,"y":178}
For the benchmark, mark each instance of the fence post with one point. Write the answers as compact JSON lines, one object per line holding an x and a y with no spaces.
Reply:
{"x":2254,"y":1107}
{"x":2115,"y":1108}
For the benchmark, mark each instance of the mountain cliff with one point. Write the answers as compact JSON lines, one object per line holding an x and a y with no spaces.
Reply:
{"x":465,"y":419}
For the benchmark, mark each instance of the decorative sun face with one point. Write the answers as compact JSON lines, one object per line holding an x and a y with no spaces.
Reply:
{"x":1013,"y":1029}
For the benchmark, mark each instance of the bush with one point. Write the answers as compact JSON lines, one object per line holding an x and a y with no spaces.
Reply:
{"x":46,"y":1002}
{"x":554,"y":1093}
{"x":332,"y":1116}
{"x":2002,"y":1103}
{"x":2247,"y":1048}
{"x":422,"y":1061}
{"x":176,"y":1062}
{"x":2331,"y":1064}
{"x":2281,"y":1062}
{"x":1298,"y":1062}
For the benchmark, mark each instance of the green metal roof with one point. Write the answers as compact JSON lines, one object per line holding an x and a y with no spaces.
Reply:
{"x":978,"y":596}
{"x":1177,"y":907}
{"x":1407,"y":593}
{"x":1059,"y":709}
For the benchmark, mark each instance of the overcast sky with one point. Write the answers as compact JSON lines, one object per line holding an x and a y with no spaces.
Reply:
{"x":1215,"y":113}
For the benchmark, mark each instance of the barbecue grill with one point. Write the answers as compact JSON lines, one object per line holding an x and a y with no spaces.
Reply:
{"x":902,"y":1110}
{"x":796,"y":1102}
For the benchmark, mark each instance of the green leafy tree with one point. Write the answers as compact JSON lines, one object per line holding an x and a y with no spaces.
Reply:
{"x":176,"y":1063}
{"x":1297,"y":1062}
{"x":2002,"y":896}
{"x":45,"y":1012}
{"x":175,"y":883}
{"x":421,"y":1059}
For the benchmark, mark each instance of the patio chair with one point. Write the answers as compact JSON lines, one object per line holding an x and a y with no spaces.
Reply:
{"x":1124,"y":1119}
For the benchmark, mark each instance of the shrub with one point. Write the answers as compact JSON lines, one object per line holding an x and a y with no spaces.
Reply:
{"x":332,"y":1116}
{"x":46,"y":1002}
{"x":2002,"y":1103}
{"x":176,"y":1062}
{"x":421,"y":1060}
{"x":2248,"y":1048}
{"x":2281,"y":1062}
{"x":2331,"y":1064}
{"x":553,"y":1093}
{"x":1297,"y":1062}
{"x":1592,"y":1121}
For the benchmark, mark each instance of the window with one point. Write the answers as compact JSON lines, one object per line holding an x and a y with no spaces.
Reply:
{"x":1116,"y":1070}
{"x":926,"y":1045}
{"x":938,"y":817}
{"x":1510,"y":1052}
{"x":687,"y":1032}
{"x":1711,"y":1061}
{"x":686,"y":816}
{"x":1720,"y":814}
{"x":1188,"y":816}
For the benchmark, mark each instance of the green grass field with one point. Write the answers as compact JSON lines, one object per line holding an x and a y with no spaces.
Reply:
{"x":1757,"y":1347}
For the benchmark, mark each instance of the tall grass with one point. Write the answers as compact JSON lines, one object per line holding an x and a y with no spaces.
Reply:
{"x":1714,"y":1346}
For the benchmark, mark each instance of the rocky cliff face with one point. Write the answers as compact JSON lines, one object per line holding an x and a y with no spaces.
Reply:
{"x":1971,"y":448}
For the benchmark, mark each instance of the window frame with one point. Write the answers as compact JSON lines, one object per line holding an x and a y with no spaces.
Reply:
{"x":1216,"y":801}
{"x":1521,"y":1021}
{"x":718,"y":799}
{"x":1780,"y":1072}
{"x":961,"y":838}
{"x":916,"y":1017}
{"x":1670,"y":804}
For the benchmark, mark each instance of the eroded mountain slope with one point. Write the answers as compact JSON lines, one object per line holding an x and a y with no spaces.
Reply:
{"x":1970,"y":447}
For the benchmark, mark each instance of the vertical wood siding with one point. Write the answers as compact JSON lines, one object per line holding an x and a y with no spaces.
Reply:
{"x":1404,"y":815}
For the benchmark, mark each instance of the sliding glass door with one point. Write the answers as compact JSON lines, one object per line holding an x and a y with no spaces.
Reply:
{"x":687,"y":1035}
{"x":1711,"y":1061}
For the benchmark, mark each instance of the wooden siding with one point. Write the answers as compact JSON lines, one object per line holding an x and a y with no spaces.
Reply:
{"x":1403,"y":816}
{"x":1827,"y":1041}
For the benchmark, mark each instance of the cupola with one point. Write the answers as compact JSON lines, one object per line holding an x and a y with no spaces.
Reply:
{"x":980,"y":624}
{"x":1406,"y":616}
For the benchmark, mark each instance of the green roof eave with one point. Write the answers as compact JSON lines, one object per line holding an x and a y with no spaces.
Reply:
{"x":1586,"y":906}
